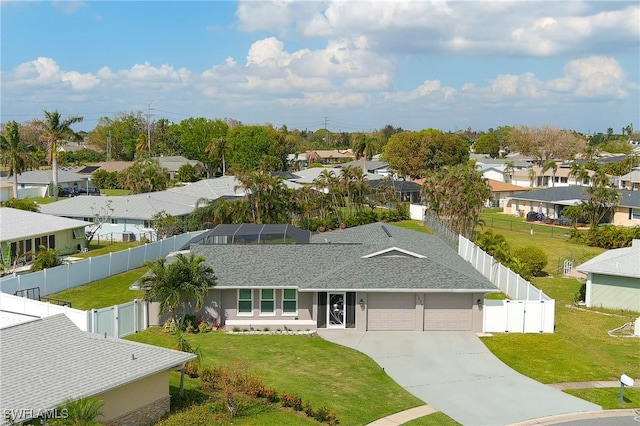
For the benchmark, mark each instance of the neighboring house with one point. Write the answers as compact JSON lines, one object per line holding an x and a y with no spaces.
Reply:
{"x":48,"y":361}
{"x":331,"y":156}
{"x":308,"y":176}
{"x":109,"y":166}
{"x":553,"y":200}
{"x":613,"y":279}
{"x":545,"y":179}
{"x":370,"y":277}
{"x":38,"y":183}
{"x":500,"y":191}
{"x":24,"y":232}
{"x":6,"y":190}
{"x":406,"y":191}
{"x":630,"y":181}
{"x":372,"y":166}
{"x":130,"y":216}
{"x":172,"y":163}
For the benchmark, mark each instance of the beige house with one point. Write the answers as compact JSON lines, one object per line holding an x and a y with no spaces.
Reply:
{"x":23,"y":232}
{"x":131,"y":379}
{"x":330,"y":156}
{"x":501,"y":190}
{"x":547,"y":179}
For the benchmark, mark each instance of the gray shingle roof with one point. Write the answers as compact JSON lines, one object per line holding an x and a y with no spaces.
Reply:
{"x":564,"y":193}
{"x":335,"y":260}
{"x":44,"y":177}
{"x":47,"y":361}
{"x":15,"y":224}
{"x":622,"y":262}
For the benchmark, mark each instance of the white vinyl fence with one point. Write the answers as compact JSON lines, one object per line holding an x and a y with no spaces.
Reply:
{"x":71,"y":275}
{"x":114,"y":321}
{"x":528,"y":311}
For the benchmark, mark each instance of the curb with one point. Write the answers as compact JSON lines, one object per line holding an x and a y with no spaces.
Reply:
{"x":562,"y":418}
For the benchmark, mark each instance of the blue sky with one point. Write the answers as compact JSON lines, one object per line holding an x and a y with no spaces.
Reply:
{"x":358,"y":64}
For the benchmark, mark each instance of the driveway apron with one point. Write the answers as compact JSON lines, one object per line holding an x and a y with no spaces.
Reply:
{"x":456,"y":374}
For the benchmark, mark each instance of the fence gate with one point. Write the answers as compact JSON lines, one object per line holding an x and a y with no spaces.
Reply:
{"x":568,"y":267}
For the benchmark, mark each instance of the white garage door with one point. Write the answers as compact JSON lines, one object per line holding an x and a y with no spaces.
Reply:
{"x":448,"y":311}
{"x":391,"y":311}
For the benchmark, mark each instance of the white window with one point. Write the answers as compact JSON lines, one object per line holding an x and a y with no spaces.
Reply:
{"x":635,"y":214}
{"x":289,"y":301}
{"x":245,"y":301}
{"x":267,"y":301}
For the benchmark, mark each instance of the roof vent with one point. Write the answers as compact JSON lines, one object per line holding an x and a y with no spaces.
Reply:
{"x":386,"y":231}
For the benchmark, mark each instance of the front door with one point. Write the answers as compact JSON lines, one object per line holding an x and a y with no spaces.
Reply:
{"x":336,"y":308}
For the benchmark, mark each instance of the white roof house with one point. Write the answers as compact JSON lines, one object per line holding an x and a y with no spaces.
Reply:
{"x":36,"y":183}
{"x":19,"y":224}
{"x":65,"y":363}
{"x":613,"y":279}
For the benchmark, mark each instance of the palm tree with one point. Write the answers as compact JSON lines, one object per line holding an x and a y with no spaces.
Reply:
{"x":82,"y":412}
{"x":219,"y":148}
{"x":509,"y":168}
{"x":184,"y":281}
{"x":579,"y":172}
{"x":553,"y":165}
{"x":15,"y":155}
{"x":532,"y":176}
{"x":45,"y":258}
{"x":55,"y":130}
{"x":364,"y":148}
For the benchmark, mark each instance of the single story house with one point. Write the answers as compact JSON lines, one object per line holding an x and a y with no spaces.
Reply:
{"x":372,"y":166}
{"x":500,"y":190}
{"x":330,"y":156}
{"x":23,"y":232}
{"x":371,"y":277}
{"x":630,"y":181}
{"x":131,"y":379}
{"x":406,"y":191}
{"x":172,"y":163}
{"x":128,"y":217}
{"x":38,"y":183}
{"x":613,"y":279}
{"x":553,"y":200}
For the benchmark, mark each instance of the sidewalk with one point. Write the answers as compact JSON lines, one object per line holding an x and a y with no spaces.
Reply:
{"x":404,"y":416}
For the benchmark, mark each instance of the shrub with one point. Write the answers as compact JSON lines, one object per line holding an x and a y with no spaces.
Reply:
{"x":581,"y":294}
{"x":170,"y":327}
{"x":189,"y":328}
{"x":203,"y":327}
{"x":534,"y":258}
{"x":191,"y":369}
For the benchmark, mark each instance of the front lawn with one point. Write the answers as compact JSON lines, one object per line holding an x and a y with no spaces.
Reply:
{"x":609,"y":398}
{"x":322,"y":373}
{"x":580,"y":348}
{"x":109,"y":291}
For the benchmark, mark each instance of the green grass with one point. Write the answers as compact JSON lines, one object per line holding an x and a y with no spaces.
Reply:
{"x":435,"y":419}
{"x":324,"y":374}
{"x":109,"y":291}
{"x":580,"y":348}
{"x":609,"y":398}
{"x":553,"y":240}
{"x":414,"y":225}
{"x":105,"y":247}
{"x":116,"y":192}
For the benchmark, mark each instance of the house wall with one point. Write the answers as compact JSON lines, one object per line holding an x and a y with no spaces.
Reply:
{"x":142,"y":402}
{"x":64,"y":242}
{"x":230,"y":317}
{"x":611,"y":292}
{"x":621,"y":217}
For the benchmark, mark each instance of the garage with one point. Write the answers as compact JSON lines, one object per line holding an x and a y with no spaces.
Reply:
{"x":391,"y":311}
{"x":448,"y":311}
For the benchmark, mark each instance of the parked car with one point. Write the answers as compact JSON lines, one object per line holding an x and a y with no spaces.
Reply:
{"x":89,"y":191}
{"x":68,"y":192}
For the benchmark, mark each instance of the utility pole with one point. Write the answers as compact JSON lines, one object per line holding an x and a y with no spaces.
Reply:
{"x":149,"y":127}
{"x":109,"y":146}
{"x":326,"y":132}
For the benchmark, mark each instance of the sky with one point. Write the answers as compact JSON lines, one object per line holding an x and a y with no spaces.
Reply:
{"x":345,"y":65}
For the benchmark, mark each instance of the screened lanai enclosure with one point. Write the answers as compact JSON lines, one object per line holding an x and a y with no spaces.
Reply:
{"x":249,"y":233}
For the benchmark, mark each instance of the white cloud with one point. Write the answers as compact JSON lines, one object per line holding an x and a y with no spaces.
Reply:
{"x":69,"y":7}
{"x":471,"y":28}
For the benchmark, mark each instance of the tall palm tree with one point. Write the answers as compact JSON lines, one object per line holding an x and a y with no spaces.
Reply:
{"x":15,"y":155}
{"x":553,"y":165}
{"x":532,"y":176}
{"x":364,"y":148}
{"x":55,"y":130}
{"x":184,"y":281}
{"x":509,"y":168}
{"x":219,"y":148}
{"x":579,"y":172}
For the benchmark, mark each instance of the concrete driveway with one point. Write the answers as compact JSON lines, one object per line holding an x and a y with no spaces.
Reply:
{"x":456,"y":374}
